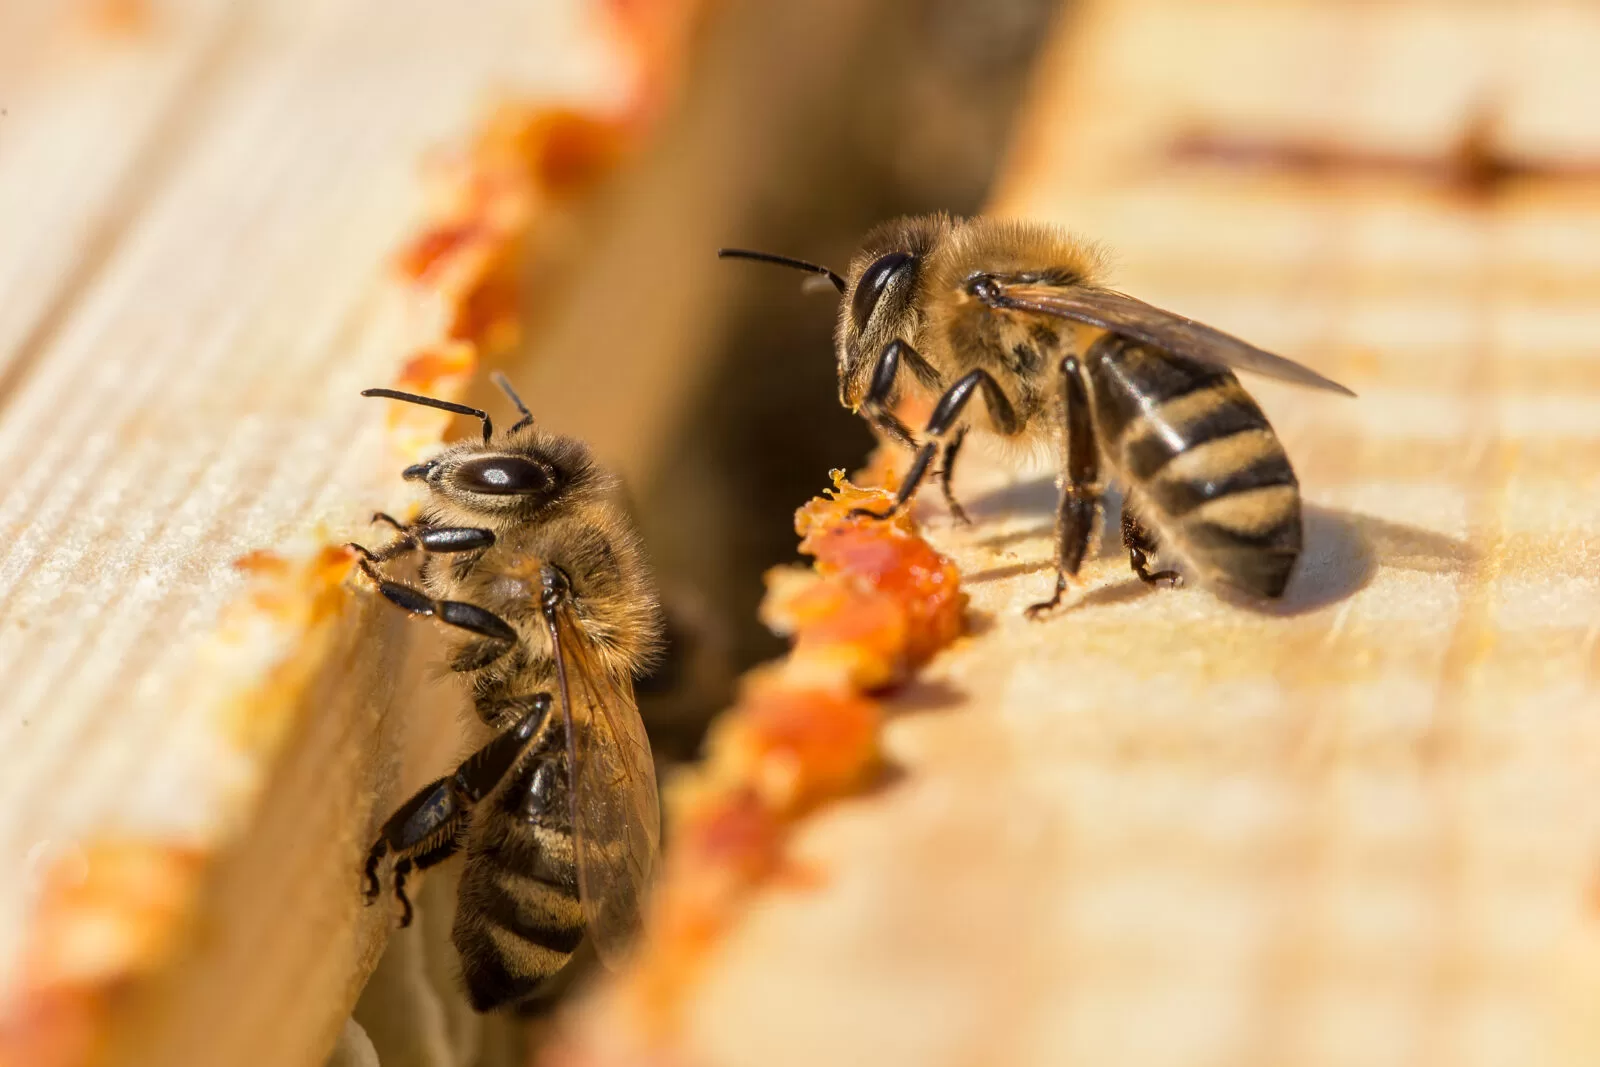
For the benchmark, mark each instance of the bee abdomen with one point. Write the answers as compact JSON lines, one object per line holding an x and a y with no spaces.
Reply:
{"x":1233,"y":504}
{"x":1249,"y":541}
{"x":1204,"y":463}
{"x":515,"y":929}
{"x":1213,"y":471}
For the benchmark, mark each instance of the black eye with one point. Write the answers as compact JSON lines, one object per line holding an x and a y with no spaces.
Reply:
{"x":874,"y":280}
{"x":503,"y":475}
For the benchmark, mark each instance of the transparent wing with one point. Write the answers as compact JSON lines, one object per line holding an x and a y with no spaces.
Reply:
{"x":1128,"y":317}
{"x":616,"y":815}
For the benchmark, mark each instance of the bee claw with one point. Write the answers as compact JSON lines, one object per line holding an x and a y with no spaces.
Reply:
{"x":1035,"y":612}
{"x":868,"y":513}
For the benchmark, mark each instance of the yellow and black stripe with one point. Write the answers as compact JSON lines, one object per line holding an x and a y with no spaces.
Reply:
{"x":518,"y":917}
{"x":1201,"y":460}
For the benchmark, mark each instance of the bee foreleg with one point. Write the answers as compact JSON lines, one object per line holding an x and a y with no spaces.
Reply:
{"x":1078,"y":505}
{"x":881,"y":393}
{"x":1140,"y":543}
{"x":942,"y":424}
{"x":455,"y":613}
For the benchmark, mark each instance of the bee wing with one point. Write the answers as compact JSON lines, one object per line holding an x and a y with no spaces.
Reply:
{"x":1123,"y":315}
{"x":616,"y":814}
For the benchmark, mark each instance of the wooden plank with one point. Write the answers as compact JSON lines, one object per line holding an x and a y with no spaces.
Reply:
{"x":185,"y":392}
{"x":94,"y":106}
{"x":1162,"y":828}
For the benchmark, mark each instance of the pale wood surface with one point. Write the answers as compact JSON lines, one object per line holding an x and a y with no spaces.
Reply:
{"x":199,"y":219}
{"x":1166,"y":829}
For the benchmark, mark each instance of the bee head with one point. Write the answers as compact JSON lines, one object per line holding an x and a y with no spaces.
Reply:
{"x":878,"y":297}
{"x":519,"y":475}
{"x":883,"y":297}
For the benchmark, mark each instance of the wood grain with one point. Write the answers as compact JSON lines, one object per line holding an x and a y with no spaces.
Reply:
{"x":201,"y":210}
{"x":1358,"y":827}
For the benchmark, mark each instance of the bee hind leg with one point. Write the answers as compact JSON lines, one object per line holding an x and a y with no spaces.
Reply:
{"x":1141,"y":543}
{"x":380,"y":849}
{"x":942,"y":428}
{"x":1078,"y":506}
{"x":427,"y":829}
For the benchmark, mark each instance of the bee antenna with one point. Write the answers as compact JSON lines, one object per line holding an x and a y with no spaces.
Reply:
{"x":442,"y":405}
{"x":505,"y":387}
{"x":783,"y":261}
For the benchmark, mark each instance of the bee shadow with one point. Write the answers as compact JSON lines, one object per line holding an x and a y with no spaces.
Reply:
{"x":1343,"y":550}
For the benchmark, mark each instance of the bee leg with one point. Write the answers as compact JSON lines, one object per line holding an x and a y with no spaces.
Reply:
{"x":427,"y":829}
{"x":1079,"y":503}
{"x":380,"y":849}
{"x":427,"y":538}
{"x":389,"y":520}
{"x":401,"y":870}
{"x":946,"y":469}
{"x":452,"y":538}
{"x":880,"y":393}
{"x":1140,"y":542}
{"x":398,"y":547}
{"x":942,"y":424}
{"x":455,"y":613}
{"x":423,"y":831}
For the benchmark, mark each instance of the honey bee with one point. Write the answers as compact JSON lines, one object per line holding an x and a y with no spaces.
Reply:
{"x":1014,"y":312}
{"x":529,"y":558}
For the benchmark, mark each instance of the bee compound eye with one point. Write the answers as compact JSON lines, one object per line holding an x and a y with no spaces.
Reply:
{"x":874,"y":282}
{"x":503,"y":476}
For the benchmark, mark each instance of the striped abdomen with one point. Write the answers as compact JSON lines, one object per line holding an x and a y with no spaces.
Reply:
{"x":518,"y":918}
{"x":1201,"y":462}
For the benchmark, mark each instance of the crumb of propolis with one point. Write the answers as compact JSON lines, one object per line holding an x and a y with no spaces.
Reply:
{"x":262,"y":563}
{"x":841,"y":629}
{"x":656,"y":37}
{"x":575,"y":150}
{"x":443,"y":368}
{"x":888,"y":557}
{"x":488,"y":314}
{"x":425,"y":256}
{"x":907,"y":569}
{"x":724,"y":843}
{"x":796,"y":747}
{"x":105,"y":914}
{"x":833,"y":509}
